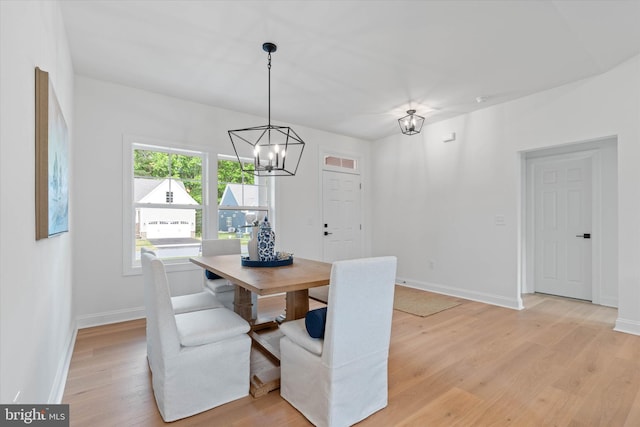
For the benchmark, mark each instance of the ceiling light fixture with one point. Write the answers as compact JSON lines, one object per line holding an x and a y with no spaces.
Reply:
{"x":276,"y":150}
{"x":411,"y":123}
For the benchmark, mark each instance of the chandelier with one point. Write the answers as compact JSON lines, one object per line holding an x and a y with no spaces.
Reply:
{"x":275,"y":150}
{"x":411,"y":123}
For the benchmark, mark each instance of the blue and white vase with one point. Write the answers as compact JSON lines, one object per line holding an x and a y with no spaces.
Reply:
{"x":266,"y":242}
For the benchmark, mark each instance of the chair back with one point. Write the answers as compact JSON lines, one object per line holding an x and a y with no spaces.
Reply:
{"x":211,"y":247}
{"x":360,"y":310}
{"x":151,"y":318}
{"x":161,"y":322}
{"x":146,"y":250}
{"x":145,"y":260}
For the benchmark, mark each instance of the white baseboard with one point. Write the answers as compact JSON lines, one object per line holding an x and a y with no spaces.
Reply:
{"x":105,"y":318}
{"x":627,"y":326}
{"x":499,"y":300}
{"x":60,"y":381}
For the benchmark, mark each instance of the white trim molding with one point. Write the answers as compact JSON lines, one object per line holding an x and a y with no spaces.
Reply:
{"x":108,"y":317}
{"x":627,"y":326}
{"x":129,"y":144}
{"x":498,"y":300}
{"x":60,"y":381}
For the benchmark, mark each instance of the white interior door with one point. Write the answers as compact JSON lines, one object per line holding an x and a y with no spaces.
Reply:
{"x":341,"y":216}
{"x":562,"y":236}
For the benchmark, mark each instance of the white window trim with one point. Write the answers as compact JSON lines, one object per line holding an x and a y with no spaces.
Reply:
{"x":128,"y":210}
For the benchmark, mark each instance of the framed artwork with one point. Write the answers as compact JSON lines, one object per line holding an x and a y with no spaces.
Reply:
{"x":52,"y":161}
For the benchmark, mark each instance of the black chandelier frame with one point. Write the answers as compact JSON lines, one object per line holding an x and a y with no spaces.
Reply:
{"x":276,"y":144}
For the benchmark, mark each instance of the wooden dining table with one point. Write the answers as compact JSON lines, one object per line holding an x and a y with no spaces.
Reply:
{"x":294,"y":280}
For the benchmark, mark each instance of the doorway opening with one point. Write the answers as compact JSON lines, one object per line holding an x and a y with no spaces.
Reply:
{"x":569,"y":221}
{"x":341,"y":207}
{"x":341,"y":212}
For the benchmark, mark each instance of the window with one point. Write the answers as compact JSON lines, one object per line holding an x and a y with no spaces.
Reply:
{"x":165,"y":194}
{"x":340,"y":162}
{"x":242,"y":200}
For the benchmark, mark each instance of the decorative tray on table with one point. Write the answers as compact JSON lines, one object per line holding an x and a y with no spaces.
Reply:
{"x":282,"y":259}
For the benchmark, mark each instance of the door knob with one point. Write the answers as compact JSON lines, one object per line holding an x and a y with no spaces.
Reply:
{"x":326,"y":233}
{"x":584,"y":236}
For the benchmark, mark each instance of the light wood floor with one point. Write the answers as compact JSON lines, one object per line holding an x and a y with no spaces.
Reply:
{"x":556,"y":363}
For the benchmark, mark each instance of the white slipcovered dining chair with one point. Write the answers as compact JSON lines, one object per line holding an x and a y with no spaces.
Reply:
{"x":198,"y":360}
{"x":342,"y":379}
{"x":222,"y":288}
{"x":180,"y":304}
{"x":190,"y":302}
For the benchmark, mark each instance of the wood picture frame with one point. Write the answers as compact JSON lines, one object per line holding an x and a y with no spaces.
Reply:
{"x":52,"y":161}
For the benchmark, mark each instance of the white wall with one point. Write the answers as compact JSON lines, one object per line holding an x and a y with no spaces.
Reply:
{"x":106,"y":112}
{"x":453,"y":191}
{"x":36,"y":324}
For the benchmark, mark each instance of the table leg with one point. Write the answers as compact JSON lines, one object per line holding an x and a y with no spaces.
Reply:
{"x":260,"y":383}
{"x":242,"y":303}
{"x":297,"y":304}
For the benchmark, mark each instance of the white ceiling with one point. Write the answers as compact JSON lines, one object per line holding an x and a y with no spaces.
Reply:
{"x":350,"y":67}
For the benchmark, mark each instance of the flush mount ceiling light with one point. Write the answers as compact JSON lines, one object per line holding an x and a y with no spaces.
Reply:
{"x":411,"y":123}
{"x":275,"y":150}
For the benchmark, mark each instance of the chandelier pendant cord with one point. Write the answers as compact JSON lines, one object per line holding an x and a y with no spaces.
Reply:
{"x":269,"y":93}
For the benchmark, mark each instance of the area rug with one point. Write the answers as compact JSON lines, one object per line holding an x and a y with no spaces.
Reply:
{"x":421,"y":303}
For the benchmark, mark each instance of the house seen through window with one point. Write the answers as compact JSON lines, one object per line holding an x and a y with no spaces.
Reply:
{"x":242,"y":200}
{"x":168,"y":201}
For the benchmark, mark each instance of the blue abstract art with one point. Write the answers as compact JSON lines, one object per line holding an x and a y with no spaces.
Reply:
{"x":58,"y":168}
